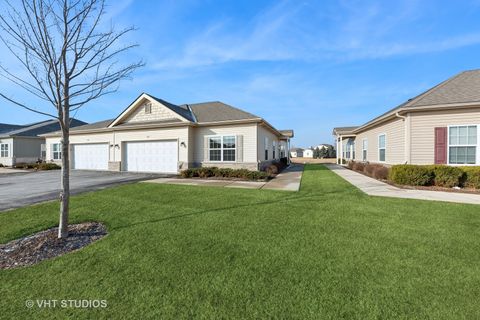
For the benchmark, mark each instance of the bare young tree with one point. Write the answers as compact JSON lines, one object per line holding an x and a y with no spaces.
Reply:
{"x":69,"y":60}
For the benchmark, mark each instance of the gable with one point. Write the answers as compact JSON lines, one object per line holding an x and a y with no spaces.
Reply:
{"x":158,"y":112}
{"x":137,"y":112}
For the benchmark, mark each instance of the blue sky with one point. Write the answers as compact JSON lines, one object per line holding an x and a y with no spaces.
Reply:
{"x":304,"y":65}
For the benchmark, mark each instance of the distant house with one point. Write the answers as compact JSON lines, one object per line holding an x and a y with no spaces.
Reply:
{"x":308,"y":153}
{"x":22,"y":143}
{"x":324,"y":146}
{"x":439,"y":126}
{"x":296,"y":153}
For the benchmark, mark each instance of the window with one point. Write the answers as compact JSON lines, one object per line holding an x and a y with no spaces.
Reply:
{"x":381,"y":147}
{"x":364,"y":149}
{"x":222,"y":148}
{"x":274,"y":146}
{"x":148,"y":108}
{"x":462,"y":145}
{"x":4,"y":150}
{"x":57,"y":151}
{"x":266,"y":148}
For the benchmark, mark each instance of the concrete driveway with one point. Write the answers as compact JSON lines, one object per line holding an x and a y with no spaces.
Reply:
{"x":25,"y":188}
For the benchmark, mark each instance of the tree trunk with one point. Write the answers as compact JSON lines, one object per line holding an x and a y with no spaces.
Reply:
{"x":65,"y":180}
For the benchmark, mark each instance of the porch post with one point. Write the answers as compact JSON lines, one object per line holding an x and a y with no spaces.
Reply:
{"x":341,"y":150}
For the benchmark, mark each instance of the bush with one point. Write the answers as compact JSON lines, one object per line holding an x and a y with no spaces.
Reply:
{"x":350,"y":164}
{"x":208,"y":172}
{"x":380,"y":172}
{"x":359,"y":166}
{"x":1,"y":165}
{"x":446,"y":176}
{"x":471,"y":179}
{"x":271,"y":170}
{"x":48,"y":166}
{"x":412,"y":175}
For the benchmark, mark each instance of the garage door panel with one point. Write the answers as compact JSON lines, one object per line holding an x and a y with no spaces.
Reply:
{"x":90,"y":156}
{"x":151,"y":156}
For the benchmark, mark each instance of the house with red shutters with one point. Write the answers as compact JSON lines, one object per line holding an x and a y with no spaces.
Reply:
{"x":439,"y":126}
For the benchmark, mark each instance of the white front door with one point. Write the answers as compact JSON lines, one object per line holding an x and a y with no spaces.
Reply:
{"x":90,"y":156}
{"x":151,"y":156}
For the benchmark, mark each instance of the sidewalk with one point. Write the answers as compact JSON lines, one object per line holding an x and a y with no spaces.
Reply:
{"x":288,"y":180}
{"x":374,"y":187}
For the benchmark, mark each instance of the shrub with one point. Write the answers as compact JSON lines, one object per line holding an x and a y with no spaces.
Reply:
{"x":411,"y":175}
{"x":271,"y":170}
{"x":207,"y":172}
{"x":446,"y":176}
{"x":1,"y":165}
{"x":380,"y":172}
{"x":471,"y":178}
{"x":359,"y":166}
{"x":47,"y":166}
{"x":350,"y":164}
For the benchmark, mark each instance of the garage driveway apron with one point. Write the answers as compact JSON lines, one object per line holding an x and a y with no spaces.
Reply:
{"x":22,"y":189}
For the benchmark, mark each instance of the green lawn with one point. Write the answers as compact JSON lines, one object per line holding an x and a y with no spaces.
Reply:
{"x":328,"y":251}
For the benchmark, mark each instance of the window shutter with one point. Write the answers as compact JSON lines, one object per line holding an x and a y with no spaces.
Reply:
{"x":239,"y":155}
{"x":205,"y":149}
{"x":51,"y":151}
{"x":441,"y":145}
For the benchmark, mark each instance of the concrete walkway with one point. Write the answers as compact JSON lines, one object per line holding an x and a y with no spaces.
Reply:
{"x":374,"y":187}
{"x":288,"y":180}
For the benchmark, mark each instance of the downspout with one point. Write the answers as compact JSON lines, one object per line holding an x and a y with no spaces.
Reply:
{"x":406,"y":121}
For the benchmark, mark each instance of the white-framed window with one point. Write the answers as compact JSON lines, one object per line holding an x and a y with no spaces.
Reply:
{"x":57,"y":151}
{"x":4,"y":150}
{"x":148,"y":107}
{"x":462,"y":144}
{"x":364,"y":149}
{"x":222,"y":148}
{"x":274,"y":148}
{"x":382,"y":146}
{"x":266,"y":148}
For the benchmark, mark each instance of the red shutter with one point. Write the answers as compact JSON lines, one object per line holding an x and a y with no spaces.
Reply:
{"x":440,"y":145}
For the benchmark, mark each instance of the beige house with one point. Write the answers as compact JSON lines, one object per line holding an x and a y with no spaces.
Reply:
{"x":439,"y":126}
{"x":153,"y":135}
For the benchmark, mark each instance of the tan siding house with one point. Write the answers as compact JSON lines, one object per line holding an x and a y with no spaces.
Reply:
{"x":439,"y":126}
{"x":153,"y":135}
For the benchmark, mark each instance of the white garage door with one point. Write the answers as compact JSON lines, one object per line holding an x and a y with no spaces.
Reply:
{"x":90,"y":156}
{"x":151,"y":156}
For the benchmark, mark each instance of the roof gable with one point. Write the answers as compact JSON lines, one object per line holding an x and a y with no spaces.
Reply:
{"x":160,"y":111}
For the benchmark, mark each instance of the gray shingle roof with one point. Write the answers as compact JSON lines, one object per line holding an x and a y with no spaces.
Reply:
{"x":181,"y":110}
{"x":95,"y":125}
{"x":38,"y":128}
{"x":462,"y":88}
{"x":5,"y":127}
{"x":218,"y":111}
{"x":344,"y":130}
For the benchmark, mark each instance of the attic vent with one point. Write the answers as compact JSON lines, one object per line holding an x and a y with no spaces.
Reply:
{"x":148,"y":108}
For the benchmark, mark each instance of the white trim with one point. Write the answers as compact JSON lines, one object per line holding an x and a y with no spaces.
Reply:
{"x":384,"y":148}
{"x":477,"y":146}
{"x":221,"y":148}
{"x":7,"y":150}
{"x":363,"y":149}
{"x":134,"y":105}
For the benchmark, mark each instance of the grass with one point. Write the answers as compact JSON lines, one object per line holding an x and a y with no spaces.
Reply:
{"x":328,"y":251}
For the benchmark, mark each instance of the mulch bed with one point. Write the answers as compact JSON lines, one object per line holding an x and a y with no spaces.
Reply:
{"x":44,"y":245}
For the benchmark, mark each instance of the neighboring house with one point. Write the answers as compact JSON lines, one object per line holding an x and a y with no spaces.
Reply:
{"x":153,"y":135}
{"x":22,"y":143}
{"x":296,"y":152}
{"x":323,"y":146}
{"x":308,"y":153}
{"x":439,"y":126}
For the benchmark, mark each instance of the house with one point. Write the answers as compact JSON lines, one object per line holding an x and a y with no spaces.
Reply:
{"x":296,"y":153}
{"x":153,"y":135}
{"x":323,"y":146}
{"x":308,"y":153}
{"x":439,"y":126}
{"x":23,"y":143}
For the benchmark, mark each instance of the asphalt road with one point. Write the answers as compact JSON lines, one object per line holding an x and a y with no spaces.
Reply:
{"x":26,"y":188}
